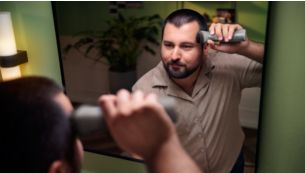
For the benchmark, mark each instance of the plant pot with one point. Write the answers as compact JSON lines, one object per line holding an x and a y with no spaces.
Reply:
{"x":120,"y":80}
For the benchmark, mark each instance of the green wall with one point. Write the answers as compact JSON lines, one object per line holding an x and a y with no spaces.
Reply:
{"x":96,"y":163}
{"x":34,"y":32}
{"x":282,"y":136}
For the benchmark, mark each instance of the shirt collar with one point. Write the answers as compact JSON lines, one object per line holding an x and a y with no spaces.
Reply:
{"x":161,"y":79}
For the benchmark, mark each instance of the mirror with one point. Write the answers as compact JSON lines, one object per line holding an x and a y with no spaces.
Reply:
{"x":86,"y":76}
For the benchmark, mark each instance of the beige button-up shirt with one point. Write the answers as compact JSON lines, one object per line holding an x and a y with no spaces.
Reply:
{"x":208,"y":123}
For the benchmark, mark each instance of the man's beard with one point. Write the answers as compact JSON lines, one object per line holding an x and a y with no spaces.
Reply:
{"x":183,"y":71}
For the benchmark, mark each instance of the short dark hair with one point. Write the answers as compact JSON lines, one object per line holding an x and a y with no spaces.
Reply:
{"x":184,"y":16}
{"x":34,"y":129}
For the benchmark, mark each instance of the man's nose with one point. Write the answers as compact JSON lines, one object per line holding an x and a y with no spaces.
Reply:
{"x":176,"y":53}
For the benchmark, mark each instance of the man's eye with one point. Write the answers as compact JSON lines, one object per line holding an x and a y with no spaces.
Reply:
{"x":186,"y":46}
{"x":168,"y":45}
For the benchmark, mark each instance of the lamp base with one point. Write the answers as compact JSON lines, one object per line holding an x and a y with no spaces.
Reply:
{"x":14,"y":60}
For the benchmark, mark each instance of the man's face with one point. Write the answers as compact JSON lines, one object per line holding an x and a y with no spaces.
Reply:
{"x":180,"y":53}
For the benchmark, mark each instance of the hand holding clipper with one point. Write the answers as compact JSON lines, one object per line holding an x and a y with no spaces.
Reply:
{"x":88,"y":119}
{"x":238,"y":36}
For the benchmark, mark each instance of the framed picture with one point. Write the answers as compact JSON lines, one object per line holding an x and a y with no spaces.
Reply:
{"x":225,"y":15}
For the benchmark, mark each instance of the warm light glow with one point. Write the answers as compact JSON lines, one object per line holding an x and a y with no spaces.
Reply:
{"x":10,"y":73}
{"x":7,"y":46}
{"x":7,"y":38}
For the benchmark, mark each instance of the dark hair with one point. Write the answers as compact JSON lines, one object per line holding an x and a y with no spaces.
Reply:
{"x":34,"y":129}
{"x":184,"y":16}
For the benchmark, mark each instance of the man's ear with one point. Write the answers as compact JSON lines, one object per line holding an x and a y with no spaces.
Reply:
{"x":59,"y":166}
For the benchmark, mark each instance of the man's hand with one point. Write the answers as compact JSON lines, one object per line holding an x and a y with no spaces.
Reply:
{"x":225,"y":32}
{"x":140,"y":126}
{"x":138,"y":123}
{"x":250,"y":49}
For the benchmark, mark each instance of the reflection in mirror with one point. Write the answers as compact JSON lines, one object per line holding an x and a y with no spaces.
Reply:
{"x":99,"y":57}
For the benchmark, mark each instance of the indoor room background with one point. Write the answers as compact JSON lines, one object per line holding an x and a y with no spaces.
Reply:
{"x":281,"y":144}
{"x":73,"y":18}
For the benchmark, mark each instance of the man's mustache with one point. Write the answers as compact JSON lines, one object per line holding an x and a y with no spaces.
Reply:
{"x":176,"y":62}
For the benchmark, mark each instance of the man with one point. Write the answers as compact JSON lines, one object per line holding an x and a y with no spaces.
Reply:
{"x":207,"y":89}
{"x":36,"y":135}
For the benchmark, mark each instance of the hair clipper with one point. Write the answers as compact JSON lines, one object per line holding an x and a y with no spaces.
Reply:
{"x":87,"y":119}
{"x":238,"y":36}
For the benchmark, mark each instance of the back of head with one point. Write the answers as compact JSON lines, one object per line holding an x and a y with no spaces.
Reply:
{"x":34,"y":129}
{"x":184,"y":16}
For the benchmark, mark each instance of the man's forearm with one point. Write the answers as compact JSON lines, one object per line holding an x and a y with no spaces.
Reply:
{"x":254,"y":51}
{"x":172,"y":158}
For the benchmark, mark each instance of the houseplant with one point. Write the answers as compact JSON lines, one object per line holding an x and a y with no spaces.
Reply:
{"x":120,"y":44}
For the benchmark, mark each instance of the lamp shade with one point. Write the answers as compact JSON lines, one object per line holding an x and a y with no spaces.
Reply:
{"x":7,"y":46}
{"x":7,"y":38}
